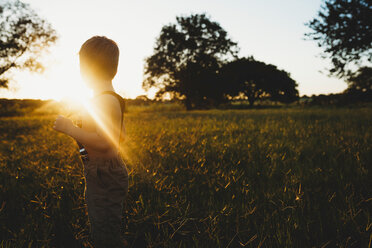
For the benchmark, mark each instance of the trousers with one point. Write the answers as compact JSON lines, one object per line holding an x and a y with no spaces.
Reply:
{"x":106,"y":186}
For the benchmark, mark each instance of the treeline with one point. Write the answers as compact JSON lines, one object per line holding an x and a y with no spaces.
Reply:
{"x":347,"y":98}
{"x":359,"y":90}
{"x":195,"y":62}
{"x":341,"y":99}
{"x":19,"y":107}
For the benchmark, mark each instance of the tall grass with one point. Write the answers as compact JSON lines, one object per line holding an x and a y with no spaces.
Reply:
{"x":252,"y":178}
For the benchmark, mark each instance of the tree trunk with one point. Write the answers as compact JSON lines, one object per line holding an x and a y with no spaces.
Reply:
{"x":188,"y":104}
{"x":251,"y":101}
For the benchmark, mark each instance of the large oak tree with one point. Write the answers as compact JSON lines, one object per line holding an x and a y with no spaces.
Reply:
{"x":186,"y":59}
{"x":23,"y":38}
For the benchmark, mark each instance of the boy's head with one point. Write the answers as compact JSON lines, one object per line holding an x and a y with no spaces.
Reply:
{"x":99,"y":57}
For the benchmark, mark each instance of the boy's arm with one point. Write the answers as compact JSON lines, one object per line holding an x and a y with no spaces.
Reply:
{"x":90,"y":139}
{"x":107,"y":117}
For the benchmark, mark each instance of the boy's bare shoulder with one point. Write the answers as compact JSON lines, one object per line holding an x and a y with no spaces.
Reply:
{"x":107,"y":102}
{"x":107,"y":98}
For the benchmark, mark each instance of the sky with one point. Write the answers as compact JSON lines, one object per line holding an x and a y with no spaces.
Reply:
{"x":270,"y":30}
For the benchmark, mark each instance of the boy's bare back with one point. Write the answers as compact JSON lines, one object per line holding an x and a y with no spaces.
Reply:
{"x":104,"y":117}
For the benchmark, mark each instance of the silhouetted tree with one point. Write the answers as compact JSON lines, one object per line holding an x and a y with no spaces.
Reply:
{"x":142,"y":98}
{"x":361,"y":80}
{"x":23,"y":36}
{"x":186,"y":58}
{"x":257,"y":80}
{"x":280,"y":86}
{"x":344,"y":29}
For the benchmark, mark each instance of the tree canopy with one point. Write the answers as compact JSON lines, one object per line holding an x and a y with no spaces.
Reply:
{"x":186,"y":59}
{"x":23,"y":37}
{"x":361,"y":81}
{"x":344,"y":29}
{"x":256,"y":80}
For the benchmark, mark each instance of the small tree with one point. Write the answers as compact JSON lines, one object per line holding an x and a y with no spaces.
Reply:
{"x":280,"y":86}
{"x":361,"y":81}
{"x":186,"y":59}
{"x":344,"y":29}
{"x":23,"y":37}
{"x":257,"y":80}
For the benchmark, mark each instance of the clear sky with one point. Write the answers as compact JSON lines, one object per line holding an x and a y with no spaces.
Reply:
{"x":270,"y":30}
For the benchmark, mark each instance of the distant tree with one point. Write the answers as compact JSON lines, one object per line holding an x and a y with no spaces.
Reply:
{"x":142,"y":98}
{"x":23,"y":37}
{"x":256,"y":80}
{"x":186,"y":58}
{"x":139,"y":100}
{"x":361,"y":81}
{"x":280,"y":86}
{"x":344,"y":29}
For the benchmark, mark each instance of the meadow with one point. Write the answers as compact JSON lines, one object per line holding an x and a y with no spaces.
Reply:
{"x":285,"y":177}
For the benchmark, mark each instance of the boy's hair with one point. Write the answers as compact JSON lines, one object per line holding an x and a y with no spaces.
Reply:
{"x":101,"y":56}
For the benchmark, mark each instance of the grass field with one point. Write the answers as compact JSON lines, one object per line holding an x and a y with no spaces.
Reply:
{"x":234,"y":178}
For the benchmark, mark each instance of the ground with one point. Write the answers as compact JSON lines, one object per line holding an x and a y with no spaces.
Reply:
{"x":285,"y":177}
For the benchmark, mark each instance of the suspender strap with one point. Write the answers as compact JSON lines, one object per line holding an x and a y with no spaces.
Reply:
{"x":122,"y":107}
